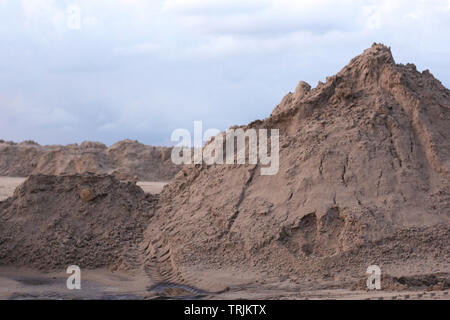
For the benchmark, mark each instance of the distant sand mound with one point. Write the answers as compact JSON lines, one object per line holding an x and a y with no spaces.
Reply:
{"x":88,"y":220}
{"x":364,"y":179}
{"x":127,"y":160}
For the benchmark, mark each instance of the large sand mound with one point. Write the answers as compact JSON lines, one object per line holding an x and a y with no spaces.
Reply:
{"x":126,"y":159}
{"x":88,"y":220}
{"x":364,"y":179}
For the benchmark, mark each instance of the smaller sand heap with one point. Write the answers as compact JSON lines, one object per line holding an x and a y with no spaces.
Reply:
{"x":88,"y":220}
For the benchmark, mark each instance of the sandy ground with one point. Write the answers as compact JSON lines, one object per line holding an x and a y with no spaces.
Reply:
{"x":17,"y":284}
{"x":9,"y":184}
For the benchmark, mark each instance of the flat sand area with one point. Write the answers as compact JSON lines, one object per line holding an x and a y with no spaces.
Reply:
{"x":151,"y":186}
{"x":22,"y":283}
{"x":8,"y":185}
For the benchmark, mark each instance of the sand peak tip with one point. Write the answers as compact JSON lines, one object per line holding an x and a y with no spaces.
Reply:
{"x":379,"y":52}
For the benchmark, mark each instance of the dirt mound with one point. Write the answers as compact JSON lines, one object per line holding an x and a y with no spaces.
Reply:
{"x":127,"y":160}
{"x":364,"y":179}
{"x":88,"y":220}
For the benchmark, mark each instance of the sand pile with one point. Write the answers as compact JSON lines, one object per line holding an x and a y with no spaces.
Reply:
{"x":364,"y":179}
{"x":88,"y":220}
{"x":126,"y":159}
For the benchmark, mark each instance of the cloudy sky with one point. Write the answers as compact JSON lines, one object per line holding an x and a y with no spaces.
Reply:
{"x":140,"y":69}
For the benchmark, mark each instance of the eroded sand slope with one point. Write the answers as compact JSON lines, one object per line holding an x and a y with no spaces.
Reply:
{"x":364,"y":179}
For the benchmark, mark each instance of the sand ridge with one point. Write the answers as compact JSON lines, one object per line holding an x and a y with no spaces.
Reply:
{"x":127,"y":160}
